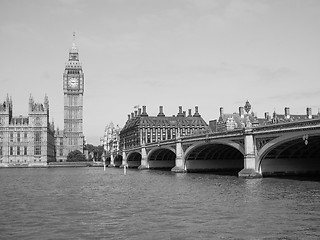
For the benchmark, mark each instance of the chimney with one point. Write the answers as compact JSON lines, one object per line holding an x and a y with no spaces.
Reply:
{"x":139,"y":111}
{"x":266,"y":115}
{"x":161,"y":114}
{"x":241,"y":112}
{"x":221,"y":111}
{"x":184,"y":113}
{"x":309,"y":114}
{"x":135,"y":113}
{"x":196,"y":112}
{"x":132,"y":115}
{"x":128,"y":116}
{"x":144,"y":111}
{"x":189,"y":115}
{"x":287,"y":112}
{"x":180,"y":113}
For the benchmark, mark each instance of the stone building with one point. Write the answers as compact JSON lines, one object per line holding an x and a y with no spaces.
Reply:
{"x":111,"y":138}
{"x":26,"y":140}
{"x":231,"y":121}
{"x":287,"y":117}
{"x":111,"y":143}
{"x":141,"y":128}
{"x":71,"y":137}
{"x":243,"y":119}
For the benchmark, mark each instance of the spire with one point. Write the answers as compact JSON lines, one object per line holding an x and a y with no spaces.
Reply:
{"x":73,"y":53}
{"x":31,"y":99}
{"x":30,"y":103}
{"x":46,"y":102}
{"x":74,"y":48}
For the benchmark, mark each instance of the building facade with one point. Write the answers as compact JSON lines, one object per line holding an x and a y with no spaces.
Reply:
{"x":71,"y":137}
{"x":141,"y":128}
{"x":26,"y":140}
{"x":111,"y":139}
{"x":244,"y":118}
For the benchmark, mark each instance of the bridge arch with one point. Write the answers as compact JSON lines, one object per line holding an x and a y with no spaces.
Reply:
{"x":290,"y":154}
{"x":118,"y":160}
{"x":215,"y":156}
{"x":162,"y":158}
{"x":134,"y":159}
{"x":108,"y":160}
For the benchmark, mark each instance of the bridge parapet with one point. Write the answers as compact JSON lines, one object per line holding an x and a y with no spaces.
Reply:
{"x":288,"y":126}
{"x":254,"y":143}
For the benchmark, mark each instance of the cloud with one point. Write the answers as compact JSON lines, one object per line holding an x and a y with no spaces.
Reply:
{"x":19,"y":31}
{"x":298,"y":95}
{"x":245,"y":9}
{"x":271,"y":74}
{"x":204,"y":4}
{"x":67,"y":7}
{"x":70,"y":2}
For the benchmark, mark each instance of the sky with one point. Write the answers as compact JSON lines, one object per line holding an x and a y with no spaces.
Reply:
{"x":170,"y":53}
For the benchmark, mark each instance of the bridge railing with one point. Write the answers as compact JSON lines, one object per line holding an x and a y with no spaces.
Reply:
{"x":237,"y":132}
{"x":288,"y":125}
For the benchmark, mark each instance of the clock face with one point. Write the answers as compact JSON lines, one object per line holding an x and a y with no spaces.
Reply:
{"x":73,"y":82}
{"x":37,"y":121}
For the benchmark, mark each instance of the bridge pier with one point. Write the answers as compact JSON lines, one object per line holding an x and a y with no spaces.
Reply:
{"x":111,"y":161}
{"x":124,"y":160}
{"x":250,"y":169}
{"x":144,"y":159}
{"x":180,"y":166}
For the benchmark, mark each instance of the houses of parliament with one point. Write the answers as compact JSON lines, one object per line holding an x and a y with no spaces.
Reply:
{"x":32,"y":140}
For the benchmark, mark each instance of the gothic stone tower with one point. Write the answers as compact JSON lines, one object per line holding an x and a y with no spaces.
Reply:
{"x":73,"y":88}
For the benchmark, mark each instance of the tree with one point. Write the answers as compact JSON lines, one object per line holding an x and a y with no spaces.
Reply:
{"x":89,"y":147}
{"x":75,"y":156}
{"x":98,"y":151}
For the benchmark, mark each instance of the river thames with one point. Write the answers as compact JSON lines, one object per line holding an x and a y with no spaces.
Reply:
{"x":89,"y":203}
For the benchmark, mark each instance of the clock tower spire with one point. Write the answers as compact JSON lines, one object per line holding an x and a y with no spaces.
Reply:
{"x":73,"y":88}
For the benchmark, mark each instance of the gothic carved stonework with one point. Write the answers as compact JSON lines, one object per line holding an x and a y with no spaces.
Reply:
{"x":239,"y":141}
{"x":247,"y":107}
{"x":186,"y":146}
{"x":263,"y":141}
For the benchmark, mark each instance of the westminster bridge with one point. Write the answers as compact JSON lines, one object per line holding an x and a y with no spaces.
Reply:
{"x":291,"y":148}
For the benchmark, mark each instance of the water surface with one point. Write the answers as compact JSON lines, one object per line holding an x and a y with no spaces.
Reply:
{"x":88,"y":203}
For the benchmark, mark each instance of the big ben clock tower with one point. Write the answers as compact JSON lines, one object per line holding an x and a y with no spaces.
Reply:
{"x":73,"y":88}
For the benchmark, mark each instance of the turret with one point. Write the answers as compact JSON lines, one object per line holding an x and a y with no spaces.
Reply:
{"x":46,"y":102}
{"x":247,"y":107}
{"x":31,"y":102}
{"x":6,"y":110}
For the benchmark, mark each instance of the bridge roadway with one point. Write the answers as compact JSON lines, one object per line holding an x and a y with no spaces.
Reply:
{"x":291,"y":148}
